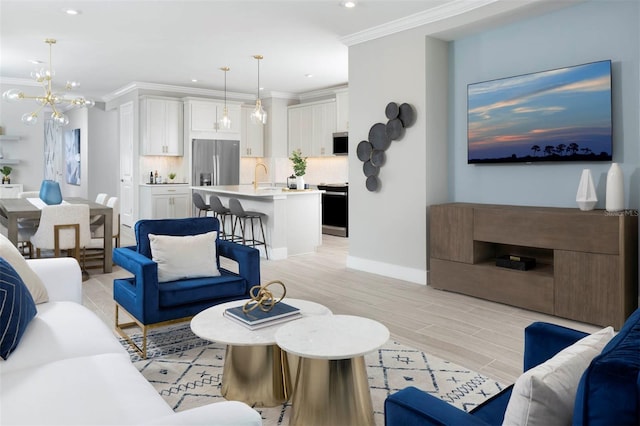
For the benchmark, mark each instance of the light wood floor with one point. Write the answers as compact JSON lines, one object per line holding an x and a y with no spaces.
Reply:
{"x":478,"y":334}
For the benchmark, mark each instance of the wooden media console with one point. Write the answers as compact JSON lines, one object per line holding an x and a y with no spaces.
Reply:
{"x":586,"y":262}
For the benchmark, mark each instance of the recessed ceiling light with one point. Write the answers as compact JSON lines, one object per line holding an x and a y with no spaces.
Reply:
{"x":348,"y":4}
{"x":194,"y":80}
{"x":72,"y":12}
{"x":308,"y":75}
{"x":36,"y":62}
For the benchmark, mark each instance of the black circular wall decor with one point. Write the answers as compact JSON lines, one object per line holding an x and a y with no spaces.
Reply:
{"x":407,"y":115}
{"x":372,"y":152}
{"x":373,"y":183}
{"x":392,"y":110}
{"x":378,"y":158}
{"x":395,"y":129}
{"x":369,"y":169}
{"x":363,"y":150}
{"x":378,"y":136}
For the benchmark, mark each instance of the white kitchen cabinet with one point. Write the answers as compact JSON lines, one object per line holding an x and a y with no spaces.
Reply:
{"x":324,"y":126}
{"x":251,"y":135}
{"x":165,"y":201}
{"x":342,"y":111}
{"x":10,"y":190}
{"x":205,"y":116}
{"x":311,"y":128}
{"x":161,"y":131}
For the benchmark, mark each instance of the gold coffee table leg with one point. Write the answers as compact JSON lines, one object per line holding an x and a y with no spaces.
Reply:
{"x":331,"y":392}
{"x":256,"y":375}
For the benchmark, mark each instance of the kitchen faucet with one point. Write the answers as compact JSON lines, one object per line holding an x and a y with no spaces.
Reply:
{"x":255,"y":174}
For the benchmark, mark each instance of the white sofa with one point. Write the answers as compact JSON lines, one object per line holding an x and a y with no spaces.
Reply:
{"x":69,"y":369}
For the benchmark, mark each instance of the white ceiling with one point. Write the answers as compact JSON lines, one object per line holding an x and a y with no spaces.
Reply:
{"x":113,"y":43}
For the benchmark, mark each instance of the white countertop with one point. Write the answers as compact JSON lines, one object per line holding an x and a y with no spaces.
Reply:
{"x":331,"y":337}
{"x":181,"y":184}
{"x":261,"y":191}
{"x":211,"y":324}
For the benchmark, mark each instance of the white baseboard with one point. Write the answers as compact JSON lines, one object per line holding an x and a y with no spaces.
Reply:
{"x":413,"y":275}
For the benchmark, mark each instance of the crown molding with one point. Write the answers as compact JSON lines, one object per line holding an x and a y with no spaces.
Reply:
{"x":429,"y":16}
{"x":327,"y":92}
{"x":184,"y":90}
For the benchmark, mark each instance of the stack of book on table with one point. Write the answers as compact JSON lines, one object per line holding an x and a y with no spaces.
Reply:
{"x":257,"y":318}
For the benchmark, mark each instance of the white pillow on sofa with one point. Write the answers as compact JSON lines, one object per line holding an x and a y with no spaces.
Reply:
{"x":33,"y":282}
{"x":545,"y":394}
{"x":180,"y":257}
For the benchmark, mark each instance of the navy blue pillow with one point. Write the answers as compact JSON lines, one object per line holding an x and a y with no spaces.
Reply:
{"x":17,"y":309}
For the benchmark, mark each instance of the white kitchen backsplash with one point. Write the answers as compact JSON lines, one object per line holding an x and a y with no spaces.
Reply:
{"x":164,"y":166}
{"x":319,"y":170}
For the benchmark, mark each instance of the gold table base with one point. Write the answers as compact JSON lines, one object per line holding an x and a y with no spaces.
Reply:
{"x":331,"y":392}
{"x":256,"y":375}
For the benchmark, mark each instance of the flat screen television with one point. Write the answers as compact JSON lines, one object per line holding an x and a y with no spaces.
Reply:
{"x":556,"y":115}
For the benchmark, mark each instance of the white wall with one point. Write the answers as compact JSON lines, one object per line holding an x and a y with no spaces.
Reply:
{"x":388,"y":228}
{"x":30,"y":149}
{"x":104,"y":150}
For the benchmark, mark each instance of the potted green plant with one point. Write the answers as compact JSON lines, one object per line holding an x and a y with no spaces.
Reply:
{"x":6,"y":171}
{"x":299,"y":167}
{"x":172,"y":176}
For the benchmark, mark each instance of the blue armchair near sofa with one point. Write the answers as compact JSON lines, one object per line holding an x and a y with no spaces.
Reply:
{"x":608,"y":393}
{"x":152,"y":303}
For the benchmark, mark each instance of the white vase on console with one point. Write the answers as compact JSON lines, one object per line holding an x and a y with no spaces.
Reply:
{"x":299,"y":182}
{"x":586,"y":196}
{"x":615,"y":189}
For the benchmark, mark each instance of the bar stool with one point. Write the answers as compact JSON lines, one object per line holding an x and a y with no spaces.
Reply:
{"x":200,"y":204}
{"x":241,"y":215}
{"x":222,"y":212}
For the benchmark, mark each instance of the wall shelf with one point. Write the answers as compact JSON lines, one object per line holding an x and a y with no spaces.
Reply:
{"x":8,"y":161}
{"x":9,"y":138}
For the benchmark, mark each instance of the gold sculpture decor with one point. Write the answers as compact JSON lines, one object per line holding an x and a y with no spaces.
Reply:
{"x":262,"y":297}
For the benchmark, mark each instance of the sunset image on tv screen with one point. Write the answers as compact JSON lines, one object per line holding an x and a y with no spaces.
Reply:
{"x":556,"y":115}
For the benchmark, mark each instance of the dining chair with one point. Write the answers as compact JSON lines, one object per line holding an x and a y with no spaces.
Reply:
{"x":94,"y":251}
{"x":96,"y":220}
{"x":27,"y":227}
{"x":62,"y":227}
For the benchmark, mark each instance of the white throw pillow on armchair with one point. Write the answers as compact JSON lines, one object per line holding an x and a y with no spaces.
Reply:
{"x":190,"y":256}
{"x":545,"y":394}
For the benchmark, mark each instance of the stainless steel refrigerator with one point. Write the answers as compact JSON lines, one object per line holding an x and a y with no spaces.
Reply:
{"x":215,"y":162}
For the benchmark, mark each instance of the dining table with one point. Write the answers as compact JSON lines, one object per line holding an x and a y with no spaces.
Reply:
{"x":12,"y":209}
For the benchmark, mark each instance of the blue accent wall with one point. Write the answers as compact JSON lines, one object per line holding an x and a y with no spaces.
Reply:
{"x":587,"y":32}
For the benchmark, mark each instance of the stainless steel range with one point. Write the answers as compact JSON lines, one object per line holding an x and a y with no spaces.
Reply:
{"x":335,"y":209}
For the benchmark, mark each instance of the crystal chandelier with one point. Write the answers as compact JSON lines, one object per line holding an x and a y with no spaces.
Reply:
{"x":50,"y":99}
{"x":225,"y":121}
{"x":259,"y":115}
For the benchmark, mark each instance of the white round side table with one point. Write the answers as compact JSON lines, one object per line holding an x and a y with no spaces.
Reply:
{"x":331,"y":385}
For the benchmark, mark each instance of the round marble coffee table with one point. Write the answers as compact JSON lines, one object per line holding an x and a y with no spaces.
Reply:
{"x":331,"y":385}
{"x":255,"y":370}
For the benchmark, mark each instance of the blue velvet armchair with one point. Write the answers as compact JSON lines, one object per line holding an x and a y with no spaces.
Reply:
{"x":608,"y":393}
{"x":153,"y":304}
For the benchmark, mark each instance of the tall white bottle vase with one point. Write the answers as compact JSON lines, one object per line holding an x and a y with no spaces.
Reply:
{"x":299,"y":182}
{"x":586,"y":196}
{"x":615,"y":189}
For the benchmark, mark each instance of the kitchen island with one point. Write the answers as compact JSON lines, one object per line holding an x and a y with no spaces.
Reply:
{"x":294,"y":218}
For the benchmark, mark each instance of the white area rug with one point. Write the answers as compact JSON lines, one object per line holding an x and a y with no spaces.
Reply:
{"x":186,"y":371}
